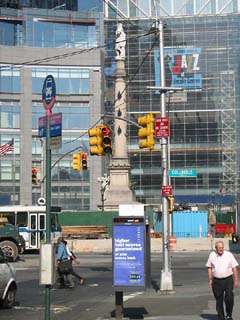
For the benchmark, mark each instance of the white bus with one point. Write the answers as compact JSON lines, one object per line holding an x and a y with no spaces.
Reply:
{"x":31,"y":221}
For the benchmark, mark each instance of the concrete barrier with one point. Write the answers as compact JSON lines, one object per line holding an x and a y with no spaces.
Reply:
{"x":189,"y":245}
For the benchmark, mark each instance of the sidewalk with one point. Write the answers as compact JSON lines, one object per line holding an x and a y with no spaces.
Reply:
{"x":182,"y":244}
{"x":180,"y":306}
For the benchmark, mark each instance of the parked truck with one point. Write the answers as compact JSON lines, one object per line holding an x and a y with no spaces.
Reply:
{"x":11,"y":242}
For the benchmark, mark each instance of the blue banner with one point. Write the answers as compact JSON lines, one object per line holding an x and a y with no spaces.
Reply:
{"x":182,"y":68}
{"x":128,"y":255}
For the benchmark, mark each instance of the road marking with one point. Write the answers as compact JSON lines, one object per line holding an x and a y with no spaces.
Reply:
{"x":94,"y":285}
{"x":131,"y":296}
{"x":55,"y":308}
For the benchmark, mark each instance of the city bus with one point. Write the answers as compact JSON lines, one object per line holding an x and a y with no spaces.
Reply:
{"x":31,"y":221}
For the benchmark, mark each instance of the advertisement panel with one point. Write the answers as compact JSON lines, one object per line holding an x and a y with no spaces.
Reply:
{"x":182,"y":68}
{"x":129,"y":254}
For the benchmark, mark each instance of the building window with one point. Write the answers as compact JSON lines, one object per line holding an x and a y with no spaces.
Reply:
{"x":68,"y":81}
{"x":9,"y":79}
{"x":9,"y":117}
{"x":73,"y":117}
{"x":60,"y":34}
{"x":11,"y":33}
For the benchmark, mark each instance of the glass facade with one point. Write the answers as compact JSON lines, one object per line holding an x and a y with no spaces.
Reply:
{"x":49,"y":29}
{"x":68,"y":81}
{"x":202,"y":56}
{"x":20,"y":109}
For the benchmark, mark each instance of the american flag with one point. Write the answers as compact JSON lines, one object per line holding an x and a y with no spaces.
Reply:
{"x":9,"y":146}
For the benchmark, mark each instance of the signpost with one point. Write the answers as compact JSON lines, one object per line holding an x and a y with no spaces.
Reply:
{"x":48,"y":98}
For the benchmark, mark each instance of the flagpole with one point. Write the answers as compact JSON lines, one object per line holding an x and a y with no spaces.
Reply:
{"x":14,"y":177}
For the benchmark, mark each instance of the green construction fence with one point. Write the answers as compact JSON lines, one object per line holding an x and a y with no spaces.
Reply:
{"x":94,"y":218}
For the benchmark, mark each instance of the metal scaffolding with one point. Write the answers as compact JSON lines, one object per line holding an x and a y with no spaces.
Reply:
{"x":168,"y":8}
{"x":229,"y":138}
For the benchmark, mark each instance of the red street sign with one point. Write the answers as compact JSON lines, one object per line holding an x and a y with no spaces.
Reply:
{"x":162,"y":127}
{"x":166,"y":191}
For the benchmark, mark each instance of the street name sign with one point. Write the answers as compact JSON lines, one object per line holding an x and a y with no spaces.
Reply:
{"x":180,"y":173}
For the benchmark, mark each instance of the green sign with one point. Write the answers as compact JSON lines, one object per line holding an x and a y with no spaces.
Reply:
{"x":175,"y":173}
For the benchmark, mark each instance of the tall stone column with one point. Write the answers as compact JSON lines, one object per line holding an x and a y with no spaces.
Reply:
{"x":119,"y":191}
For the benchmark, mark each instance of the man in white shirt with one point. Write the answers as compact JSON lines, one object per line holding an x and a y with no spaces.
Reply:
{"x":223,"y":277}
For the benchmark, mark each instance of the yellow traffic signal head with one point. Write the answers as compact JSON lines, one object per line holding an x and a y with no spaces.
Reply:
{"x":35,"y":176}
{"x":95,"y":141}
{"x":77,"y":161}
{"x":147,"y":132}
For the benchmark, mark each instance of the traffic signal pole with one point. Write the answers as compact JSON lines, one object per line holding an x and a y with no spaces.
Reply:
{"x":166,"y":273}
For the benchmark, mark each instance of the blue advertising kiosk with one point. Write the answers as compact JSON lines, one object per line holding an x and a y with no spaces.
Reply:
{"x":129,"y":257}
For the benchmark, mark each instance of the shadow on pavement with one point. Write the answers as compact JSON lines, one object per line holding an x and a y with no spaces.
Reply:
{"x":132,"y":313}
{"x":208,"y":316}
{"x":155,"y":285}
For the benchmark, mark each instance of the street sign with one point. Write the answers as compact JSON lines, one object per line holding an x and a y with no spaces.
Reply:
{"x":162,"y":127}
{"x":49,"y":93}
{"x":179,"y":173}
{"x":55,"y":125}
{"x":55,"y":142}
{"x":166,"y":191}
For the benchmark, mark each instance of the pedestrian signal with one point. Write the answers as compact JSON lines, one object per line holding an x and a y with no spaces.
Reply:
{"x":34,"y":176}
{"x":77,"y":161}
{"x":147,"y":132}
{"x":84,"y":161}
{"x":170,"y":204}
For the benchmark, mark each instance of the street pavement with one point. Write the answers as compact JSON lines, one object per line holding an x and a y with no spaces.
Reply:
{"x":191,"y":298}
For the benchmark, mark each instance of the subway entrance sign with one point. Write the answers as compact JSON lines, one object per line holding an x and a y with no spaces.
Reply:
{"x":128,"y":252}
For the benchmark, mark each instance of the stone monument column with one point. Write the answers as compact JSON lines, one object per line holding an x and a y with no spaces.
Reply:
{"x":119,"y":191}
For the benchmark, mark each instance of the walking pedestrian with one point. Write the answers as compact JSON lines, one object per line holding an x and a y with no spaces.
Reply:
{"x":63,"y":267}
{"x":223,"y":277}
{"x":72,"y":257}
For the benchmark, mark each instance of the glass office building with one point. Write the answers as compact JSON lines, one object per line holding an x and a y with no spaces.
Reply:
{"x":201,"y":55}
{"x":36,"y":43}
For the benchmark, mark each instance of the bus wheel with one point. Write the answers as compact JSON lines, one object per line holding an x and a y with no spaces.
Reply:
{"x":10,"y":249}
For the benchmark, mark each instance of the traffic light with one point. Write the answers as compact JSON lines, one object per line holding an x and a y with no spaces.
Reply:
{"x":147,"y":132}
{"x":170,"y":204}
{"x":106,"y":139}
{"x":84,"y":161}
{"x":95,"y":141}
{"x":77,"y":161}
{"x":34,"y":176}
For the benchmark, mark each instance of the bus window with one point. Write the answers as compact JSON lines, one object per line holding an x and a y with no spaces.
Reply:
{"x":22,"y":219}
{"x":55,"y":226}
{"x":10,"y":216}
